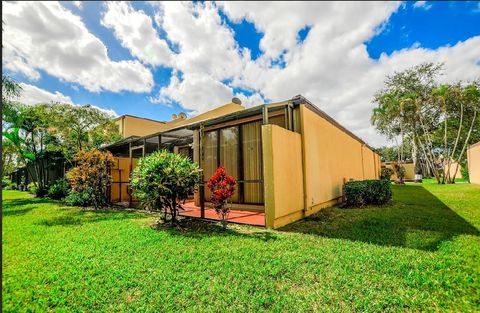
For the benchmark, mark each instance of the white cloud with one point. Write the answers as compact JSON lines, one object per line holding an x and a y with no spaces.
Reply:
{"x":134,"y":29}
{"x":78,"y":4}
{"x":31,"y":95}
{"x":331,"y":67}
{"x":422,"y":4}
{"x":46,"y":36}
{"x":196,"y":93}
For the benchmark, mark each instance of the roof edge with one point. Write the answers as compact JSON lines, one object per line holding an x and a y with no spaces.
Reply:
{"x":139,"y":117}
{"x":299,"y":99}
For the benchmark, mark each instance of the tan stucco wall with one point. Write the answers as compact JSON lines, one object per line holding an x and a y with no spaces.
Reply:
{"x":473,"y":154}
{"x":135,"y":126}
{"x":330,"y":157}
{"x":283,"y":175}
{"x":454,"y":166}
{"x":220,"y":111}
{"x":409,"y":171}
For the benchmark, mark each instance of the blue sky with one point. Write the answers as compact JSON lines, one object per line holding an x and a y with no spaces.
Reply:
{"x":234,"y":49}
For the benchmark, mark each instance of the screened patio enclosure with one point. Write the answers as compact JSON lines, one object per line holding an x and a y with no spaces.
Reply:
{"x":233,"y":141}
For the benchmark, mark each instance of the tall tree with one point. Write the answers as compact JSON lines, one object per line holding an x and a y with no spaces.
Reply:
{"x":405,"y":95}
{"x":440,"y":121}
{"x":83,"y":128}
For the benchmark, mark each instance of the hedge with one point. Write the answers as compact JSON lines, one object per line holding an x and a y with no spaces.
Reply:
{"x":367,"y":192}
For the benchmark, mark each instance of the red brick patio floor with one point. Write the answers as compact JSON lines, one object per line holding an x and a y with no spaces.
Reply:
{"x":235,"y":216}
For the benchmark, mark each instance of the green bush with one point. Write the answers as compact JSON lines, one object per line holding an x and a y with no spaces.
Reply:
{"x":366,"y":192}
{"x":464,"y":171}
{"x":35,"y":190}
{"x":163,"y":180}
{"x":79,"y":198}
{"x":90,"y":178}
{"x":59,"y":189}
{"x":386,"y":173}
{"x":7,"y":184}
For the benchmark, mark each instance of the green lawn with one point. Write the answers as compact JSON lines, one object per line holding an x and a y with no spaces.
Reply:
{"x":420,"y":253}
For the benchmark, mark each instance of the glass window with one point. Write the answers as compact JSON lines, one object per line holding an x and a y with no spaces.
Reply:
{"x":252,"y":160}
{"x":229,"y":153}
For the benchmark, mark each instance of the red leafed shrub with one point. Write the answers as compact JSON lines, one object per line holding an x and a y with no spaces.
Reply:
{"x":90,"y":179}
{"x":222,"y":187}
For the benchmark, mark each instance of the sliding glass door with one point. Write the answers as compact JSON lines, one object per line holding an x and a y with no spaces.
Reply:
{"x":239,"y":150}
{"x":252,"y":160}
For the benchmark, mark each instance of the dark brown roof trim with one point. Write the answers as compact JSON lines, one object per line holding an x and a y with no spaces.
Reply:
{"x":142,"y":118}
{"x":299,"y":99}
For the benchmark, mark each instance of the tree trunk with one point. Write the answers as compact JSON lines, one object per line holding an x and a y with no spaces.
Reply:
{"x":465,"y":144}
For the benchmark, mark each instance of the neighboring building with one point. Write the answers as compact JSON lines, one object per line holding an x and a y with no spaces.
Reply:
{"x":409,"y":170}
{"x":290,"y":158}
{"x":473,"y":155}
{"x":129,"y":125}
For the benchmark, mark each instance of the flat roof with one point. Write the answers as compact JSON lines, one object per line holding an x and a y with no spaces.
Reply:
{"x":142,"y":118}
{"x":296,"y":101}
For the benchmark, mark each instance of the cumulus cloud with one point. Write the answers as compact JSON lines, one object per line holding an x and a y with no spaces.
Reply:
{"x":331,"y":66}
{"x":46,"y":36}
{"x":31,"y":95}
{"x":134,"y":29}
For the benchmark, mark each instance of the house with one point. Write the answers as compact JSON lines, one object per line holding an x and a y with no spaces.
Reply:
{"x":473,"y":155}
{"x":290,"y":158}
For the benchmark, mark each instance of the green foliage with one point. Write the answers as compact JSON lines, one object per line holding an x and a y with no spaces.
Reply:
{"x":36,"y":190}
{"x":386,"y":173}
{"x":80,"y":198}
{"x":40,"y":133}
{"x":367,"y":192}
{"x":162,"y":180}
{"x":91,"y":177}
{"x":464,"y":171}
{"x":419,"y":253}
{"x":82,"y":127}
{"x":59,"y":189}
{"x":438,"y":121}
{"x":7,"y":184}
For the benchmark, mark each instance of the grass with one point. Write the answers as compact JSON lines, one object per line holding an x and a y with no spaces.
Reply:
{"x":419,"y":253}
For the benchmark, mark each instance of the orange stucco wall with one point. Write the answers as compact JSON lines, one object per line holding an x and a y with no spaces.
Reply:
{"x":409,"y":171}
{"x":135,"y":126}
{"x":330,"y":157}
{"x":473,"y":154}
{"x":283,"y":175}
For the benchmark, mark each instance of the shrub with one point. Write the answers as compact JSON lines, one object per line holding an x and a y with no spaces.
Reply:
{"x":222,"y":187}
{"x":162,"y":180}
{"x":386,"y":173}
{"x":400,"y":171}
{"x":81,"y":198}
{"x":91,"y":178}
{"x":464,"y":171}
{"x":366,"y":192}
{"x":59,"y":189}
{"x":35,"y":190}
{"x":7,"y":184}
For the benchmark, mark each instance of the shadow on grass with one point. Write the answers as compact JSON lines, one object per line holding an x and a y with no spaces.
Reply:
{"x":197,"y":228}
{"x":81,"y":217}
{"x":414,"y":219}
{"x":15,"y":207}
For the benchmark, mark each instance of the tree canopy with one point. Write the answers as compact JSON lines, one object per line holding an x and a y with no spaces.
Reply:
{"x":38,"y":133}
{"x":437,"y":121}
